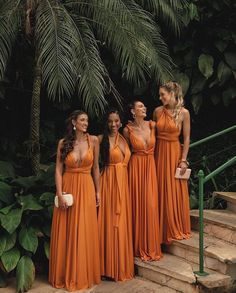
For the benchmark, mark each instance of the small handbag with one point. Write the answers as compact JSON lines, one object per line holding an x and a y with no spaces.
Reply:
{"x":68,"y":198}
{"x":186,"y":175}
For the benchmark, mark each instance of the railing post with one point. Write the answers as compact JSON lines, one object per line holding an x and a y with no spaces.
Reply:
{"x":201,"y":224}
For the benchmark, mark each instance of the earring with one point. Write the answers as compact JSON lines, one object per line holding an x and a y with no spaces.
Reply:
{"x":134,"y":116}
{"x":74,"y":128}
{"x":120,"y":125}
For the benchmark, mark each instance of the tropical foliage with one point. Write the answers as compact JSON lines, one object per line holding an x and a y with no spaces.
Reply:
{"x":206,"y":55}
{"x":25,"y":217}
{"x":66,"y":37}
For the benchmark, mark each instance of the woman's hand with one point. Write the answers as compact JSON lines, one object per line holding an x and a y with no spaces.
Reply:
{"x":183,"y":165}
{"x":62,"y":202}
{"x":97,"y":199}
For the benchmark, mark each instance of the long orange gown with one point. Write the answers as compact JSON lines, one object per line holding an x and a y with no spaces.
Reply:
{"x":143,"y":189}
{"x":173,"y":193}
{"x":74,"y":261}
{"x":114,"y":220}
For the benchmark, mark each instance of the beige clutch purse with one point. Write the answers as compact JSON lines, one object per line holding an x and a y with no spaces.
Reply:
{"x":186,"y":175}
{"x":68,"y":198}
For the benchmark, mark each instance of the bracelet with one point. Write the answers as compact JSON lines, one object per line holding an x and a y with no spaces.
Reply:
{"x":184,"y":161}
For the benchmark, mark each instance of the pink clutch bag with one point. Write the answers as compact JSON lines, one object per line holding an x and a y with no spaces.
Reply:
{"x":186,"y":175}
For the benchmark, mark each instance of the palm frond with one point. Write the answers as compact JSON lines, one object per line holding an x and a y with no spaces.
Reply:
{"x":56,"y":47}
{"x":9,"y":24}
{"x":129,"y":32}
{"x":169,"y":11}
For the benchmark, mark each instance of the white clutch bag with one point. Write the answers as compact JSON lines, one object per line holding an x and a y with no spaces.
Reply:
{"x":68,"y":198}
{"x":186,"y":175}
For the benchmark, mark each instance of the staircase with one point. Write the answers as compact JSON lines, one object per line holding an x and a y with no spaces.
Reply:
{"x":181,"y":258}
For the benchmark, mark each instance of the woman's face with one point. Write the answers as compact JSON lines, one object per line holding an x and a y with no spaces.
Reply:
{"x":165,"y":96}
{"x":81,"y":122}
{"x":113,"y":123}
{"x":139,"y":110}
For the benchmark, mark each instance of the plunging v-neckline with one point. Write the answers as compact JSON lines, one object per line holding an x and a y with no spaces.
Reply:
{"x":79,"y":162}
{"x":143,"y":143}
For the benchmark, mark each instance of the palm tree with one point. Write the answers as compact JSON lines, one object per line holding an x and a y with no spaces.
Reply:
{"x":66,"y":35}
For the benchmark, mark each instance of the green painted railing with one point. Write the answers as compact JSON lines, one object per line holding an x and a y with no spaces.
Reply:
{"x":202,"y":179}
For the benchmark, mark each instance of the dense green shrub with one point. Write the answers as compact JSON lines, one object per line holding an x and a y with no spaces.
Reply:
{"x":25,"y":222}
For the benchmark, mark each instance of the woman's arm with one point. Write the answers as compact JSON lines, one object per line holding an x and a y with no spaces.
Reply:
{"x":186,"y":136}
{"x":95,"y":169}
{"x":58,"y":176}
{"x":126,"y":135}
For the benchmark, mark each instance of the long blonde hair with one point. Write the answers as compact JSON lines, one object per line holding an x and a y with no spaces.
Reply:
{"x":179,"y":99}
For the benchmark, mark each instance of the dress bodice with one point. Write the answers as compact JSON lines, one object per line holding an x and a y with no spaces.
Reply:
{"x":137,"y":144}
{"x":166,"y":127}
{"x":116,"y":155}
{"x":85,"y":164}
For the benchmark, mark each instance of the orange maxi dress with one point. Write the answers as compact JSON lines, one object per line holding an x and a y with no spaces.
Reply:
{"x":173,"y":193}
{"x":74,"y":251}
{"x":143,"y":189}
{"x":114,"y":220}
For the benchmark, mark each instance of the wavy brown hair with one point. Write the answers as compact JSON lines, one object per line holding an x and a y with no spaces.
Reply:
{"x":69,"y":139}
{"x":177,"y":90}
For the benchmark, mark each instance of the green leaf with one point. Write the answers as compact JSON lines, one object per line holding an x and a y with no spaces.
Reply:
{"x":183,"y":80}
{"x":7,"y":169}
{"x":3,"y":281}
{"x":230,"y":58}
{"x":2,"y":243}
{"x":28,"y":239}
{"x":223,"y":72}
{"x":26,"y":182}
{"x":196,"y":101}
{"x":10,"y":259}
{"x":47,"y":248}
{"x":47,"y":230}
{"x":25,"y":274}
{"x":193,"y":11}
{"x":205,"y":65}
{"x":6,"y":193}
{"x":221,"y":45}
{"x":48,"y":198}
{"x":12,"y":220}
{"x":10,"y":241}
{"x":193,"y":201}
{"x":29,"y":202}
{"x":7,"y":209}
{"x":198,"y":84}
{"x":228,"y":95}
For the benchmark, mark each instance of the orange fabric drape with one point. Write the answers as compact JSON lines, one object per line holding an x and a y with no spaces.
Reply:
{"x":74,"y":252}
{"x":173,"y":193}
{"x":143,"y":190}
{"x":114,"y":220}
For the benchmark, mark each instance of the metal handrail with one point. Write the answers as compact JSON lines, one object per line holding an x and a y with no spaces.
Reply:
{"x":202,"y":180}
{"x":210,"y":137}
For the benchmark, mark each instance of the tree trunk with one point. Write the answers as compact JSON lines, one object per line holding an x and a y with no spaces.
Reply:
{"x":35,"y":120}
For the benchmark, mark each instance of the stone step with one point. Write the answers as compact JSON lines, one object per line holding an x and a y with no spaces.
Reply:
{"x":219,"y":255}
{"x":218,"y":223}
{"x":178,"y":274}
{"x":230,"y":197}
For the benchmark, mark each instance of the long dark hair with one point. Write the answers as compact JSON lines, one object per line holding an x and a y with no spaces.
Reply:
{"x":105,"y":144}
{"x":68,"y":141}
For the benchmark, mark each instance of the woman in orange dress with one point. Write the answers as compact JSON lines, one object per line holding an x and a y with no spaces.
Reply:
{"x":143,"y":184}
{"x":114,"y":220}
{"x":170,"y":119}
{"x":74,"y":252}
